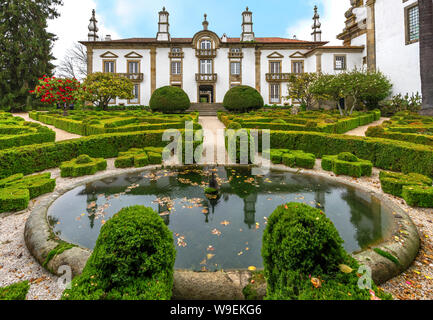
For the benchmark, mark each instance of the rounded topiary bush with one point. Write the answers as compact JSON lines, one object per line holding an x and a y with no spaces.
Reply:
{"x":84,"y":158}
{"x":347,"y":156}
{"x":133,"y":260}
{"x":243,"y":99}
{"x":235,"y":125}
{"x":304,"y":258}
{"x":302,"y":239}
{"x":169,"y":99}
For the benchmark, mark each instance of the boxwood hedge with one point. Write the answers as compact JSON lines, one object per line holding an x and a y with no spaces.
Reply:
{"x":30,"y":159}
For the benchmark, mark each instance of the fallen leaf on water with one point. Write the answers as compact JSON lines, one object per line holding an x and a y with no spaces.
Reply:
{"x":210,"y":256}
{"x":225,"y":223}
{"x":240,"y":253}
{"x":203,"y":262}
{"x":210,"y":248}
{"x":216,"y":232}
{"x":345,"y":268}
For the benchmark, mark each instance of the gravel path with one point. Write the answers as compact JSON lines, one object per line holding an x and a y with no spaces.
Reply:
{"x":61,"y":135}
{"x":360,"y":131}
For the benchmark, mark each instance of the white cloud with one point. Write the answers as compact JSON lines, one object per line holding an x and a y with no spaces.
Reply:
{"x":72,"y":25}
{"x":331,"y":16}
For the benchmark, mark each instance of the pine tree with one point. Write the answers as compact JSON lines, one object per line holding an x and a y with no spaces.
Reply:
{"x":25,"y":49}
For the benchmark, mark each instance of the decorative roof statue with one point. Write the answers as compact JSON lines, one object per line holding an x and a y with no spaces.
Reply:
{"x":317,"y":33}
{"x":93,"y":27}
{"x":205,"y":22}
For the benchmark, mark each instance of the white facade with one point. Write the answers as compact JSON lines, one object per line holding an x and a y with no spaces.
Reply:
{"x":389,"y":30}
{"x":206,"y":66}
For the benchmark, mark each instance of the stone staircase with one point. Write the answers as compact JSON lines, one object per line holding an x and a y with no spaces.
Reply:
{"x":207,"y":109}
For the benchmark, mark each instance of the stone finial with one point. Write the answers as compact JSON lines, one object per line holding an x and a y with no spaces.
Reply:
{"x":93,"y":27}
{"x":317,"y":32}
{"x":205,"y":22}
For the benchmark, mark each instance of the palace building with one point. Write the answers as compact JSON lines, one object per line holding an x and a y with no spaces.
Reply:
{"x":207,"y":65}
{"x":378,"y":35}
{"x":389,"y":32}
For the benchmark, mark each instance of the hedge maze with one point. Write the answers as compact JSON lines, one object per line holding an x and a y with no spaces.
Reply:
{"x":15,"y":132}
{"x":87,"y":123}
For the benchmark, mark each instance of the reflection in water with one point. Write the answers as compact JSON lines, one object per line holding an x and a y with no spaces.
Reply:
{"x":225,"y":232}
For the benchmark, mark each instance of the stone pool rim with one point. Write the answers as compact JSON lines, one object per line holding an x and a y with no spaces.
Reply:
{"x":39,"y":236}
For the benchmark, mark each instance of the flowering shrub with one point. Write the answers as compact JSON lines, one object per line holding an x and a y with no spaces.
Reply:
{"x":52,"y":90}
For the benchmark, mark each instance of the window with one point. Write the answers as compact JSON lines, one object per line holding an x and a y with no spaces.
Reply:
{"x":275,"y":93}
{"x":176,"y":50}
{"x":109,"y":66}
{"x":206,"y":45}
{"x":133,"y":67}
{"x":136,"y":93}
{"x":235,"y":68}
{"x":206,"y":66}
{"x":176,"y":67}
{"x":297,"y":67}
{"x":412,"y":23}
{"x":235,"y":50}
{"x":340,"y":62}
{"x":275,"y":67}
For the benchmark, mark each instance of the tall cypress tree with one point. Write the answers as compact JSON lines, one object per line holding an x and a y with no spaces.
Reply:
{"x":25,"y":49}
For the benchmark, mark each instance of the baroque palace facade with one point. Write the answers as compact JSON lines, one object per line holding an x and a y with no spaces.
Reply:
{"x":206,"y":66}
{"x":389,"y":32}
{"x":378,"y":35}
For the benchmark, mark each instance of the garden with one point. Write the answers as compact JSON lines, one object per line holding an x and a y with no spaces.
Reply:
{"x":131,"y":227}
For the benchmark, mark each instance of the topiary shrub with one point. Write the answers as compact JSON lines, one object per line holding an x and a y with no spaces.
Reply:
{"x":133,"y":260}
{"x":234,"y":125}
{"x":169,"y":99}
{"x":393,"y":182}
{"x":347,"y":164}
{"x":243,"y":99}
{"x":304,"y":259}
{"x":418,"y":196}
{"x":17,"y":190}
{"x":139,"y":157}
{"x":292,"y":158}
{"x":82,"y":166}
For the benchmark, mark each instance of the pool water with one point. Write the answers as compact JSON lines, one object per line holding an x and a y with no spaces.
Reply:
{"x":222,"y":233}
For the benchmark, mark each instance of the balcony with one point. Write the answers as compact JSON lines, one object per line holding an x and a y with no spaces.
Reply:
{"x":176,"y":55}
{"x":236,"y":55}
{"x":206,"y":77}
{"x":277,"y":77}
{"x":136,"y":77}
{"x":205,"y":53}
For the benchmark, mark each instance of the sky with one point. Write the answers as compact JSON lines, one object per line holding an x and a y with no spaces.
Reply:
{"x":139,"y":18}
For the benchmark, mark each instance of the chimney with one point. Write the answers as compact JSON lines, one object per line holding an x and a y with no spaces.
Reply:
{"x":317,"y":33}
{"x":93,"y":28}
{"x":163,"y":26}
{"x":247,"y":26}
{"x":108,"y":37}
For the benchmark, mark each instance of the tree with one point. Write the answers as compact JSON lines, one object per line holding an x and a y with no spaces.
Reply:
{"x":25,"y":47}
{"x":74,"y":64}
{"x":299,"y":88}
{"x":100,"y":88}
{"x":426,"y":54}
{"x":361,"y":87}
{"x":52,"y":90}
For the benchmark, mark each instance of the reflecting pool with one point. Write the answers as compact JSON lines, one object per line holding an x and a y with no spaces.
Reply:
{"x":223,"y":232}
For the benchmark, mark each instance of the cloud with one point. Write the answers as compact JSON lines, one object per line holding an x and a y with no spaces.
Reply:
{"x":331,"y":16}
{"x":72,"y":25}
